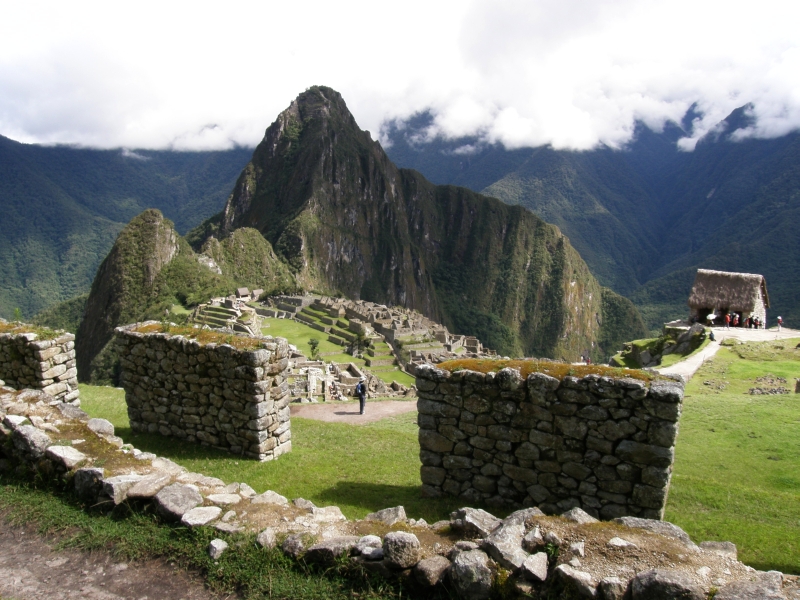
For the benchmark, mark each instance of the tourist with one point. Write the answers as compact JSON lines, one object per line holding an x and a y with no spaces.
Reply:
{"x":727,"y":320}
{"x":780,"y":323}
{"x":361,"y":392}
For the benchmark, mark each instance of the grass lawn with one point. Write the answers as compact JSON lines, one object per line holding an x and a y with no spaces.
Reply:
{"x":360,"y":468}
{"x":671,"y":359}
{"x":737,"y":468}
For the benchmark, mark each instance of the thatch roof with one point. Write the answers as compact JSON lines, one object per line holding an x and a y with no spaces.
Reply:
{"x":732,"y":291}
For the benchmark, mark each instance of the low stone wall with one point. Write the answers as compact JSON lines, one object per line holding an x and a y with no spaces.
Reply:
{"x":604,"y":445}
{"x":48,"y":365}
{"x":210,"y":394}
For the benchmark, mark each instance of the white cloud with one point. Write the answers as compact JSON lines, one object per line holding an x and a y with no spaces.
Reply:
{"x":571,"y":73}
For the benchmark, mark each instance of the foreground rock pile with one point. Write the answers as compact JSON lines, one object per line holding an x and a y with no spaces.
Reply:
{"x":473,"y":553}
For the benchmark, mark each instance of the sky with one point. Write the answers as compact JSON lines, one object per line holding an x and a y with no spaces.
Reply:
{"x":570,"y":73}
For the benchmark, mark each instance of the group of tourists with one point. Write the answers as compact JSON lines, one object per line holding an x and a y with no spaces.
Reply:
{"x":751,"y":322}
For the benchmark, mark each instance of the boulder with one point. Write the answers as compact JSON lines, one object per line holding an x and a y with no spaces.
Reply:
{"x":582,"y":582}
{"x":329,"y":551}
{"x":368,"y":542}
{"x":663,"y":584}
{"x":661,"y":527}
{"x":216,"y":548}
{"x":72,"y":412}
{"x":533,"y":540}
{"x":267,"y":539}
{"x":388,"y":516}
{"x":504,"y":543}
{"x":117,"y":487}
{"x":401,"y":550}
{"x":88,"y":483}
{"x":202,"y":515}
{"x":472,"y":575}
{"x":67,"y":457}
{"x":535,"y":567}
{"x":100,"y":426}
{"x":579,"y":516}
{"x":764,"y":586}
{"x":175,"y":500}
{"x":293,"y":545}
{"x":613,"y":588}
{"x":29,"y":441}
{"x":149,"y":485}
{"x":722,"y":548}
{"x":270,"y":497}
{"x":224,"y":498}
{"x":431,"y":571}
{"x":474,"y":522}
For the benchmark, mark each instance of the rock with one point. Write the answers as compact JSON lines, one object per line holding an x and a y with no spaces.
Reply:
{"x":474,"y":522}
{"x":267,"y":539}
{"x":117,"y":487}
{"x":327,"y":552}
{"x":551,"y":537}
{"x":400,"y":549}
{"x":373,"y":554}
{"x":100,"y":426}
{"x":579,"y":516}
{"x":721,"y":548}
{"x":228,"y":527}
{"x":202,"y":515}
{"x":578,"y":549}
{"x":302,"y":503}
{"x":431,"y":571}
{"x":765,"y":586}
{"x":14,"y":421}
{"x":582,"y":582}
{"x":246,"y":491}
{"x":66,"y":456}
{"x":367,"y":542}
{"x":72,"y":412}
{"x":224,"y":498}
{"x":647,"y":454}
{"x":388,"y":516}
{"x":270,"y":497}
{"x":535,"y":567}
{"x":661,"y":527}
{"x":617,"y":542}
{"x":216,"y":548}
{"x":471,"y":575}
{"x":293,"y":545}
{"x":613,"y":588}
{"x":504,"y":543}
{"x":165,"y":465}
{"x":175,"y":500}
{"x":328,"y":514}
{"x":30,"y":441}
{"x":533,"y":540}
{"x":662,"y":584}
{"x":149,"y":485}
{"x":88,"y":483}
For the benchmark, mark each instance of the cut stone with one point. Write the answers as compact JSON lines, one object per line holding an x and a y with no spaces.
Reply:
{"x":66,"y":456}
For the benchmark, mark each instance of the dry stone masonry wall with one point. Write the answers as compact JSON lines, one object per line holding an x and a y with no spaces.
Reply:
{"x":48,"y":365}
{"x":215,"y":395}
{"x":603,"y":445}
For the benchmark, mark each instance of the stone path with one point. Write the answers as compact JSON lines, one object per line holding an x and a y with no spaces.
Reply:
{"x":689,"y":367}
{"x":347,"y":412}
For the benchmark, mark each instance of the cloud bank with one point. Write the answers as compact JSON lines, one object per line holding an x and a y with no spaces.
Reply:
{"x":570,"y":73}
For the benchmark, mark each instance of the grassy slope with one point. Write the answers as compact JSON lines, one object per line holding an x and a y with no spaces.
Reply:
{"x":738,"y":459}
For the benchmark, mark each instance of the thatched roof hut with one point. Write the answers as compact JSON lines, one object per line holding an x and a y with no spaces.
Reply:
{"x":744,"y":293}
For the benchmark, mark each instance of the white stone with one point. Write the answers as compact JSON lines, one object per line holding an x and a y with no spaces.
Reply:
{"x":202,"y":515}
{"x":224,"y":498}
{"x":67,"y":456}
{"x":216,"y":548}
{"x":269,"y":497}
{"x":617,"y":542}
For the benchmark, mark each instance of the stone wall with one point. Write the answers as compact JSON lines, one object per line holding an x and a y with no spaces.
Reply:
{"x":604,"y":445}
{"x":210,"y":394}
{"x":48,"y":365}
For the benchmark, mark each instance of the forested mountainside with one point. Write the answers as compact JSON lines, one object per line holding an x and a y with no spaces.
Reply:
{"x":63,"y":208}
{"x":348,"y":221}
{"x":647,"y":216}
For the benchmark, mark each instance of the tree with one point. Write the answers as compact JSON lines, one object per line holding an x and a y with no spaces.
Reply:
{"x":313,"y":343}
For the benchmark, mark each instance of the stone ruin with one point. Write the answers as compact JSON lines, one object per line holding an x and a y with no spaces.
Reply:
{"x":210,"y":394}
{"x":604,"y":445}
{"x":26,"y":361}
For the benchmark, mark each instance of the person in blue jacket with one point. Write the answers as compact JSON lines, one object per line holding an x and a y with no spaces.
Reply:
{"x":361,"y":392}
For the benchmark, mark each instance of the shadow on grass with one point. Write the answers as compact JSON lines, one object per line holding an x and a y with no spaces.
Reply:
{"x":169,"y":447}
{"x":377,"y":496}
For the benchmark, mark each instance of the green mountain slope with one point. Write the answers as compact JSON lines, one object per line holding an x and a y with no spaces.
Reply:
{"x":63,"y":208}
{"x":646,"y":217}
{"x":332,"y":204}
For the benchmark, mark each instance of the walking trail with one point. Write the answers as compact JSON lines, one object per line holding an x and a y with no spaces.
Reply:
{"x":689,"y":367}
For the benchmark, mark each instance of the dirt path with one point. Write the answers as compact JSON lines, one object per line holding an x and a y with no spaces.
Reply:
{"x":347,"y":412}
{"x":31,"y":570}
{"x":689,"y":367}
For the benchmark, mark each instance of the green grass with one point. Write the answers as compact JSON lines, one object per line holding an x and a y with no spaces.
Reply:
{"x":360,"y":468}
{"x":129,"y":535}
{"x":737,"y":469}
{"x":671,"y":359}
